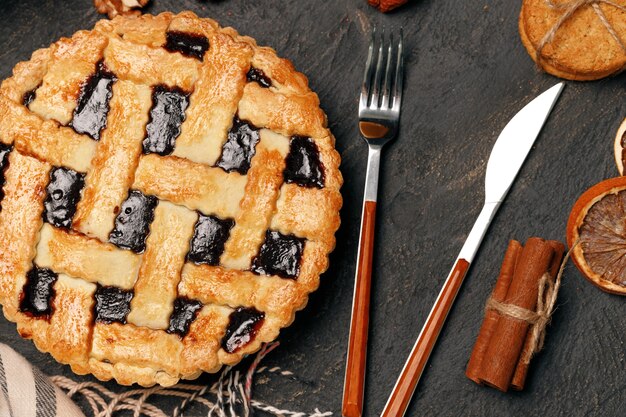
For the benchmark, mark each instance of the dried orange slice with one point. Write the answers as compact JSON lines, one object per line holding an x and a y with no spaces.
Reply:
{"x":620,"y":147}
{"x":598,"y":223}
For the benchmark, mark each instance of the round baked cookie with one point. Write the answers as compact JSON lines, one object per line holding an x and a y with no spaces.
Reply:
{"x":170,"y":195}
{"x":582,"y":48}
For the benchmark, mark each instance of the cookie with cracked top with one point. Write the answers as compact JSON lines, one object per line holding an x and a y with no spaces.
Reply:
{"x":575,"y":42}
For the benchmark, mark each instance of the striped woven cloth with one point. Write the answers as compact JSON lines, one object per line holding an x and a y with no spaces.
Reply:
{"x":26,"y":392}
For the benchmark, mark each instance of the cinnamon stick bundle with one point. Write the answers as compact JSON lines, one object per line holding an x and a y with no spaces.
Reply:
{"x":503,"y":347}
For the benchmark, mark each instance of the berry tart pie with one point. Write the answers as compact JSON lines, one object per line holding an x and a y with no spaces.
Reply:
{"x":170,"y":195}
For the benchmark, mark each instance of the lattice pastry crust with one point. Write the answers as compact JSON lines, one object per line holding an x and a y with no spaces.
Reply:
{"x":170,"y":195}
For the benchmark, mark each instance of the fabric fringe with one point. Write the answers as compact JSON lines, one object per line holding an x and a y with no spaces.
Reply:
{"x":230,"y":396}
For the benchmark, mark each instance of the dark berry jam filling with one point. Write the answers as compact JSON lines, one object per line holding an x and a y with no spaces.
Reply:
{"x":240,"y":147}
{"x":303,"y":163}
{"x":209,"y":236}
{"x":279,"y":255}
{"x":4,"y":155}
{"x":243,"y":326}
{"x":132,"y":224}
{"x":166,"y":117}
{"x":38,"y":292}
{"x":63,"y":194}
{"x":188,"y":44}
{"x":185,"y":312}
{"x":112,"y":304}
{"x":5,"y":150}
{"x":256,"y":75}
{"x":90,"y":115}
{"x":29,"y":96}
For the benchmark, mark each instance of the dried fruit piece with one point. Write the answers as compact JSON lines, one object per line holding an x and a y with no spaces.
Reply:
{"x":620,"y":147}
{"x":387,"y":5}
{"x":598,"y":223}
{"x":113,"y":8}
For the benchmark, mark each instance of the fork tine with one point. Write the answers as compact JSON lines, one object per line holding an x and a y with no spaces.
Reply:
{"x":367,"y":77}
{"x":397,"y":93}
{"x":379,"y":72}
{"x":387,"y":81}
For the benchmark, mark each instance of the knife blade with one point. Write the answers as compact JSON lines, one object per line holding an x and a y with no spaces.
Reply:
{"x":506,"y":159}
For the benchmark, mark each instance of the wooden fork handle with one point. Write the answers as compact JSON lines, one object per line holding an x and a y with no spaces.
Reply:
{"x":357,"y":345}
{"x":414,"y":366}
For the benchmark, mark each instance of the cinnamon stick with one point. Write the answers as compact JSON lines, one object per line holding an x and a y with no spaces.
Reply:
{"x":519,"y":377}
{"x":490,"y":321}
{"x":502,"y":355}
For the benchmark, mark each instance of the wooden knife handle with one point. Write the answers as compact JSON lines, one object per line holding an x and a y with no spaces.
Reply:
{"x":415,"y":364}
{"x":357,"y":345}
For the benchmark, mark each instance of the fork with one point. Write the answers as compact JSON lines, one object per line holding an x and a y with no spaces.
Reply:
{"x":379,"y":114}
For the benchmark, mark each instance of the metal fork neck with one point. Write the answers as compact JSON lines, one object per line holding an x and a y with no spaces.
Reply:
{"x":371,"y":178}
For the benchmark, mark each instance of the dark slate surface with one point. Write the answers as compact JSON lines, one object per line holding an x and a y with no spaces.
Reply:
{"x":467,"y":74}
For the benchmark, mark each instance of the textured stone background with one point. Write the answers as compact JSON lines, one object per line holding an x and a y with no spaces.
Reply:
{"x":467,"y":75}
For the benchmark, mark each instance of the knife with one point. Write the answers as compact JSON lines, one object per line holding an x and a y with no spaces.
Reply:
{"x":505,"y":161}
